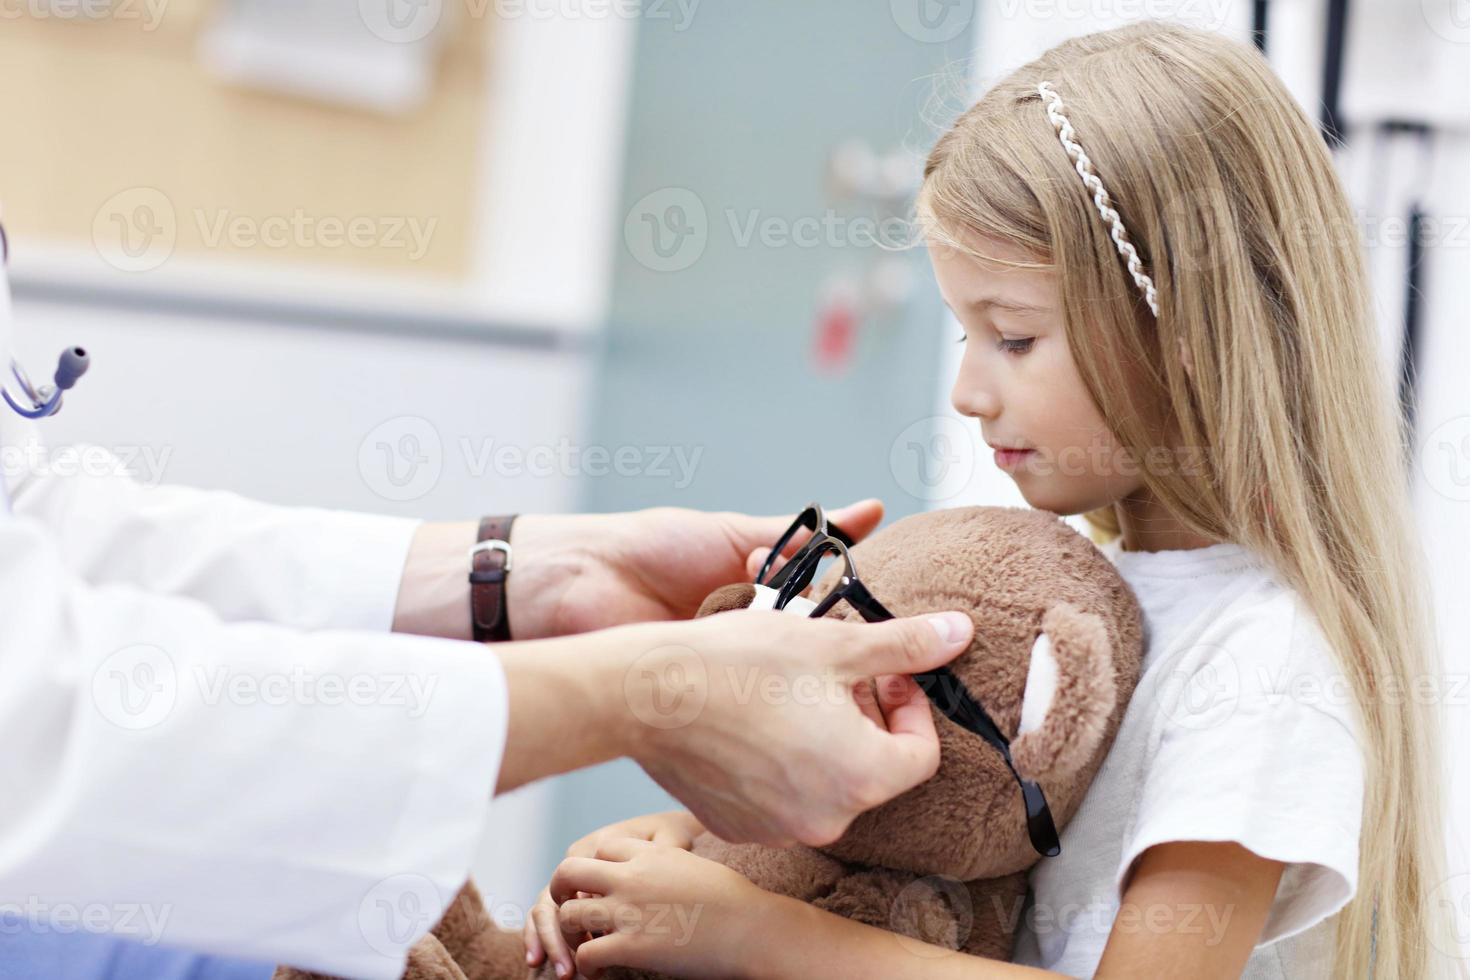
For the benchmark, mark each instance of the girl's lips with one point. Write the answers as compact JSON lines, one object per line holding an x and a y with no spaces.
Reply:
{"x":1010,"y":458}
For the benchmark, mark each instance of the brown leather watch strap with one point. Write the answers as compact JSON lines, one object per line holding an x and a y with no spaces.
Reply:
{"x":489,"y":566}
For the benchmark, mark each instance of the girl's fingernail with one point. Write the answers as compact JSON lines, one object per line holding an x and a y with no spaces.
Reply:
{"x":530,"y":958}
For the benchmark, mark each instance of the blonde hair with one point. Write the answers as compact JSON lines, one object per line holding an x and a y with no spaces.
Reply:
{"x":1230,"y":195}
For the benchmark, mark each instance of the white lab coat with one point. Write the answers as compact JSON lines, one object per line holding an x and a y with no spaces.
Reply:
{"x":210,"y":735}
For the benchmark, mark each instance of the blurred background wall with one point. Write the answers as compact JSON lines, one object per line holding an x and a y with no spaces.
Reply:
{"x":762,"y":313}
{"x":454,"y":257}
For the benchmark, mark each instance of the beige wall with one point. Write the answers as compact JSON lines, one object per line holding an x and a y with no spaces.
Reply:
{"x":101,"y":107}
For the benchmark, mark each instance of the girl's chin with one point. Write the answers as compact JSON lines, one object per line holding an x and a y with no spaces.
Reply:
{"x":1039,"y":495}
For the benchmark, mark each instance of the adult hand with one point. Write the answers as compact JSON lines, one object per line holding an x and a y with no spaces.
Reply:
{"x":581,"y":572}
{"x":763,"y":725}
{"x":756,"y":721}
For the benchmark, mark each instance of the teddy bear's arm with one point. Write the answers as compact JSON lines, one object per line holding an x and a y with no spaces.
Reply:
{"x":996,"y":903}
{"x":427,"y":960}
{"x":976,"y":917}
{"x":796,"y":872}
{"x":465,"y":944}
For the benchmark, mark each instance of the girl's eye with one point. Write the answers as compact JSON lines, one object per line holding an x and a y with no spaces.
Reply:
{"x":1018,"y":346}
{"x":962,"y":339}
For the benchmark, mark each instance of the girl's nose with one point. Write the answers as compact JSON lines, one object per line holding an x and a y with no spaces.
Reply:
{"x":974,"y":400}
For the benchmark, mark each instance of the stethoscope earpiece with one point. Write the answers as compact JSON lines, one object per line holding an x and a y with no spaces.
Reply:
{"x":45,"y":401}
{"x":74,"y":363}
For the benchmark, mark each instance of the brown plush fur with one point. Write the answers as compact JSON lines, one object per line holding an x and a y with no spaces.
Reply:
{"x":946,"y":862}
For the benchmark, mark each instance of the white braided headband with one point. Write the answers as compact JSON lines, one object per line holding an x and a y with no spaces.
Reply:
{"x":1099,"y":194}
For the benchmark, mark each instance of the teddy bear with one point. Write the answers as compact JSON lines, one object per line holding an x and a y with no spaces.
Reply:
{"x":1056,"y":654}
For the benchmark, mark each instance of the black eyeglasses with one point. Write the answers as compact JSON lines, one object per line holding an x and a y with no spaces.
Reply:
{"x":943,"y":687}
{"x":814,"y":519}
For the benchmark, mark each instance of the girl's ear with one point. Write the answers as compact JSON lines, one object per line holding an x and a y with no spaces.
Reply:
{"x":1069,"y":696}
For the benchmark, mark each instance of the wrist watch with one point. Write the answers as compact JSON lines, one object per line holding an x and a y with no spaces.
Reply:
{"x":489,"y":566}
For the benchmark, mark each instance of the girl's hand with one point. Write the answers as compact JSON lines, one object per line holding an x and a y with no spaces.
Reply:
{"x":655,"y":908}
{"x":674,"y":828}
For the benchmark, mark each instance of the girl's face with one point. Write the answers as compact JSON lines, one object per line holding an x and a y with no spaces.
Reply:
{"x":1018,"y":378}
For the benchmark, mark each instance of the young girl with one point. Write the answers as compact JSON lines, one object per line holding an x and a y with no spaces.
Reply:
{"x":1169,"y":330}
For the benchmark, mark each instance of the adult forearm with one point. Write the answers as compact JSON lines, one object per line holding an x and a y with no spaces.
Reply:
{"x":567,"y":707}
{"x":795,"y":939}
{"x":566,"y":704}
{"x":434,"y":595}
{"x":434,"y":592}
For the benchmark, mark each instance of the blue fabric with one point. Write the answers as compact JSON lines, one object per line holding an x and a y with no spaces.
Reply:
{"x":37,"y":952}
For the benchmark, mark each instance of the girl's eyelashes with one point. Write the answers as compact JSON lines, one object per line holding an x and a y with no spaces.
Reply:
{"x":1019,"y":345}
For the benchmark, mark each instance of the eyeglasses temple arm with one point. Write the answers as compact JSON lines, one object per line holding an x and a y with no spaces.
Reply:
{"x":946,"y":691}
{"x":965,"y":712}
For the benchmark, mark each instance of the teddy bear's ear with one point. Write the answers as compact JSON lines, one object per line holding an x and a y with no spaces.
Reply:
{"x":1070,"y":694}
{"x":738,"y":595}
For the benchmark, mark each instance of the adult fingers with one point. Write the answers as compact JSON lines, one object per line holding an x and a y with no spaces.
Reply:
{"x":894,"y":691}
{"x":906,"y":708}
{"x":870,"y":701}
{"x":907,"y":753}
{"x":857,"y":520}
{"x":755,"y":561}
{"x":909,"y":645}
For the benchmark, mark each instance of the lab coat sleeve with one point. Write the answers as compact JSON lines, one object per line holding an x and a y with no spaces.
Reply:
{"x":307,"y":567}
{"x":242,"y":789}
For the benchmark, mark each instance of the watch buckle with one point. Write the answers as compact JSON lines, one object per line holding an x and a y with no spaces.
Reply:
{"x":492,"y":544}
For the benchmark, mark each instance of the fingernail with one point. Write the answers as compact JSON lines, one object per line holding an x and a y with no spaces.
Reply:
{"x":561,"y":970}
{"x":950,"y":626}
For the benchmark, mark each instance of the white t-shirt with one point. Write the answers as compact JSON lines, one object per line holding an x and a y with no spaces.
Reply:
{"x":1241,"y":729}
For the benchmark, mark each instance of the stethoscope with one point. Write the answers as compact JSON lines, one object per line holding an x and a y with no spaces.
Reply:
{"x":35,"y":403}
